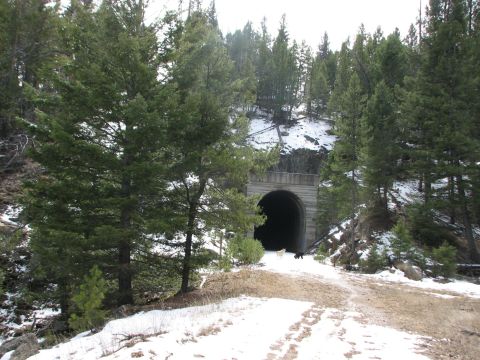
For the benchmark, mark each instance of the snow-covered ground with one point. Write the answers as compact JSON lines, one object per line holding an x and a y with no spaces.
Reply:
{"x":306,"y":133}
{"x":240,"y":328}
{"x":259,"y":328}
{"x":310,"y":267}
{"x":463,"y":288}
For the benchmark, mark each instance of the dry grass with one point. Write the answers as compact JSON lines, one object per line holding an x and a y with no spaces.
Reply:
{"x":265,"y":284}
{"x":449,"y":321}
{"x":209,"y":330}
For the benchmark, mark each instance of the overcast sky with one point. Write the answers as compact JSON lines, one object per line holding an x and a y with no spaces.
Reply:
{"x":309,"y":19}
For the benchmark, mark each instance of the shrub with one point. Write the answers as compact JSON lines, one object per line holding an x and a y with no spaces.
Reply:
{"x":402,"y":242}
{"x":225,"y":263}
{"x":203,"y":257}
{"x":321,"y":253}
{"x":445,"y":260}
{"x":403,"y":246}
{"x":88,"y":302}
{"x":425,"y":230}
{"x":374,"y":261}
{"x":246,"y":250}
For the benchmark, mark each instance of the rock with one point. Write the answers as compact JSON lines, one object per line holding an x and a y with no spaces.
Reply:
{"x":25,"y":350}
{"x":412,"y":272}
{"x":59,"y":325}
{"x":311,"y":139}
{"x":16,"y":343}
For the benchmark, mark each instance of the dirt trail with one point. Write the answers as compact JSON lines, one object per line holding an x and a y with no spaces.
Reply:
{"x":450,"y":324}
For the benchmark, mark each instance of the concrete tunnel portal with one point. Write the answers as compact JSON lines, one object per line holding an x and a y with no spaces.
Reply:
{"x":284,"y":227}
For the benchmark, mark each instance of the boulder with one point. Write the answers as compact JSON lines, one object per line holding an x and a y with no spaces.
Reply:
{"x":23,"y":343}
{"x":412,"y":272}
{"x":26,"y":350}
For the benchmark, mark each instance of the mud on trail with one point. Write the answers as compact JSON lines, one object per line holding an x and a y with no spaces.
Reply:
{"x":448,"y":324}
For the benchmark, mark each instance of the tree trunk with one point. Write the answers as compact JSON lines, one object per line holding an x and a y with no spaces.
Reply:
{"x":192,"y":215}
{"x":451,"y":198}
{"x":427,"y":188}
{"x":470,"y":16}
{"x":385,"y":198}
{"x":125,"y":294}
{"x":472,"y":246}
{"x":354,"y":205}
{"x":64,"y":298}
{"x":188,"y":249}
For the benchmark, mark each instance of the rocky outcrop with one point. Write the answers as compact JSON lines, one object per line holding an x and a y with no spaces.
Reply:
{"x":412,"y":272}
{"x":23,"y":347}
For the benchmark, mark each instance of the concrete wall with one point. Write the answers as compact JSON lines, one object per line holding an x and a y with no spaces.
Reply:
{"x":304,"y":186}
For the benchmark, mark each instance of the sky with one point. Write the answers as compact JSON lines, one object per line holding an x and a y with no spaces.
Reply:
{"x":309,"y":19}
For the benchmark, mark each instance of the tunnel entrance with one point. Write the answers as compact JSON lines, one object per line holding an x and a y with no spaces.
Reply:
{"x":285,"y":224}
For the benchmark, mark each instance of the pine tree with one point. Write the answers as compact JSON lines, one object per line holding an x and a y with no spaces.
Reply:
{"x":362,"y":62}
{"x":284,"y":74}
{"x":100,"y":143}
{"x":330,"y":61}
{"x":243,"y":50}
{"x":380,"y":150}
{"x":342,"y":78}
{"x":206,"y":143}
{"x":88,"y":302}
{"x":380,"y":125}
{"x":28,"y":42}
{"x":344,"y":160}
{"x":439,"y":113}
{"x":264,"y":70}
{"x":392,"y":61}
{"x":319,"y":94}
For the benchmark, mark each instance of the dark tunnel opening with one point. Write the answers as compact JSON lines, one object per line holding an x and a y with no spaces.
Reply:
{"x":284,"y":227}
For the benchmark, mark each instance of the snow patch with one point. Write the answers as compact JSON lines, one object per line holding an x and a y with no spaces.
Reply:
{"x":340,"y":335}
{"x":242,"y":328}
{"x":287,"y":264}
{"x":460,"y":287}
{"x":305,"y":133}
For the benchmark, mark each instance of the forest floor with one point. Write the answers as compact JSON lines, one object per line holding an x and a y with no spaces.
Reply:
{"x":296,"y":309}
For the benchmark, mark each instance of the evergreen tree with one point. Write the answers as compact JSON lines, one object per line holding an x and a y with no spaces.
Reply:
{"x":381,"y":138}
{"x":284,"y":74}
{"x":392,"y":61}
{"x":206,"y":143}
{"x":439,"y":113}
{"x":88,"y":302}
{"x":304,"y":63}
{"x":342,"y":78}
{"x":330,"y":61}
{"x":362,"y":62}
{"x":319,"y":93}
{"x":28,"y":34}
{"x":344,"y":160}
{"x":264,"y":70}
{"x":380,"y":150}
{"x":100,"y":142}
{"x":243,"y":49}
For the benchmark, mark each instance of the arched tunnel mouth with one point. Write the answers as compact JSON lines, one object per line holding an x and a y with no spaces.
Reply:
{"x":284,"y":227}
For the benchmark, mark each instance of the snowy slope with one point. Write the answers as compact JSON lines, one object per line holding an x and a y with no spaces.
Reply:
{"x":306,"y":133}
